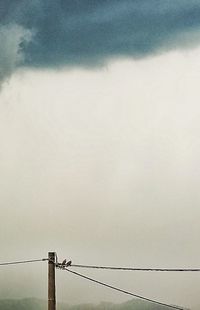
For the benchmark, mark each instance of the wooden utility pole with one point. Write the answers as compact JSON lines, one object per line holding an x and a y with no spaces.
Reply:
{"x":51,"y":281}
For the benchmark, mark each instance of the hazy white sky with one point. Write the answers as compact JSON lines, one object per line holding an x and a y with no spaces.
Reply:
{"x":102,"y":166}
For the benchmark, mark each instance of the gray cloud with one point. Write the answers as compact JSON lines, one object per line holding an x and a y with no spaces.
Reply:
{"x":90,"y":32}
{"x":11,"y":53}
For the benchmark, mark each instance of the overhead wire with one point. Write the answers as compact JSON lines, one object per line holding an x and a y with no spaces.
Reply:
{"x":121,"y":290}
{"x":136,"y":269}
{"x":23,"y":261}
{"x":65,"y":267}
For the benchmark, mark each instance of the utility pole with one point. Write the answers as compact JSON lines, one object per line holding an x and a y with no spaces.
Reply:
{"x":51,"y":281}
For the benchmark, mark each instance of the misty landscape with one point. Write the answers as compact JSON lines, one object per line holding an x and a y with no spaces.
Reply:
{"x":99,"y":154}
{"x":36,"y":304}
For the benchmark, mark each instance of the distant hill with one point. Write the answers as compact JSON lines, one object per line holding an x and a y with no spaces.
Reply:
{"x":36,"y":304}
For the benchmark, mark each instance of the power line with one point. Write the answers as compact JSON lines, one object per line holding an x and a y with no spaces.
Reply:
{"x":24,"y":262}
{"x":135,"y":269}
{"x":121,"y":290}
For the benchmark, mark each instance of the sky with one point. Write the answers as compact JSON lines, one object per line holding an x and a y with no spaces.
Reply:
{"x":99,"y":157}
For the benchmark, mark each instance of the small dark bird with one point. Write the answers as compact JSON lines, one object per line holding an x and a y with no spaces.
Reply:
{"x":64,"y":262}
{"x":69,"y":263}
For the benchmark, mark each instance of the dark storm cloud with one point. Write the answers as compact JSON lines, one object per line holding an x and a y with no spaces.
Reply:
{"x":90,"y":32}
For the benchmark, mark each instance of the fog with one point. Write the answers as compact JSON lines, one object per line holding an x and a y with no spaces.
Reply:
{"x":102,"y":166}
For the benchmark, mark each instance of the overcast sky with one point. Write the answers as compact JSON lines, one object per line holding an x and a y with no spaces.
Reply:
{"x":100,"y":145}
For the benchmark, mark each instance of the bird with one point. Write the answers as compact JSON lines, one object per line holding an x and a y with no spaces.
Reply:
{"x":69,"y":263}
{"x":64,"y":262}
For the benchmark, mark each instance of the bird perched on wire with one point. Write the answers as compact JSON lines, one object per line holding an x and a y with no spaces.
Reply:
{"x":69,"y":263}
{"x":65,"y":263}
